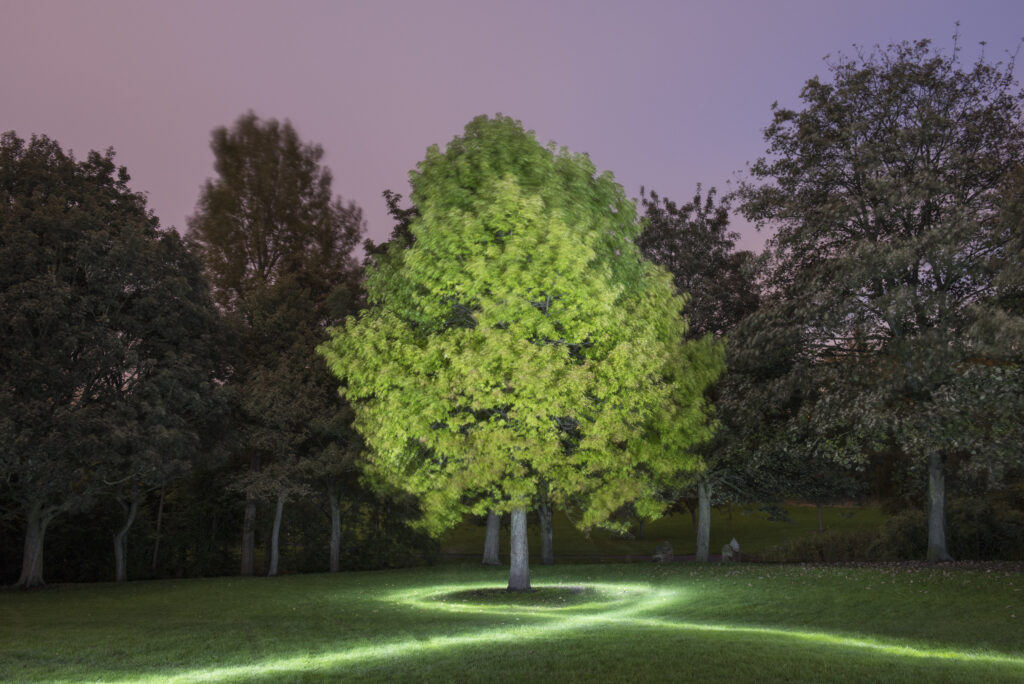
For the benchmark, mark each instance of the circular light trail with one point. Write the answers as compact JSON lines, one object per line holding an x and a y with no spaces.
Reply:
{"x":626,"y":604}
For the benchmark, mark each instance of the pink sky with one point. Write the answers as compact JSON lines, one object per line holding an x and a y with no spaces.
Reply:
{"x":664,"y":94}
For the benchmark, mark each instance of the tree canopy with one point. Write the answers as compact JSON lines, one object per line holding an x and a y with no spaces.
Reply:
{"x":694,"y":243}
{"x":887,"y":191}
{"x":277,"y":247}
{"x":107,"y":338}
{"x":522,"y":340}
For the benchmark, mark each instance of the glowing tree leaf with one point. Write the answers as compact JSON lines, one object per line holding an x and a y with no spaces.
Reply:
{"x":521,"y":341}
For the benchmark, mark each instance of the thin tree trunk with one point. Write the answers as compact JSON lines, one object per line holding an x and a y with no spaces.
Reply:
{"x":334,"y":495}
{"x":519,"y":572}
{"x":691,"y":506}
{"x":249,"y":525}
{"x":937,"y":550}
{"x":492,"y":539}
{"x":821,"y":520}
{"x":703,"y":520}
{"x":547,"y":551}
{"x":249,"y":536}
{"x":121,"y":538}
{"x":208,"y":553}
{"x":159,"y":526}
{"x":32,"y":559}
{"x":275,"y":535}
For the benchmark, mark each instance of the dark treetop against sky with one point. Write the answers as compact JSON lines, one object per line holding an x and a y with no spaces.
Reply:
{"x":664,"y":93}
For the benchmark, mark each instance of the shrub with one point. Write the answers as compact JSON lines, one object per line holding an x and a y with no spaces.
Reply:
{"x":985,"y":530}
{"x":902,"y":537}
{"x":832,"y":546}
{"x":977,"y":529}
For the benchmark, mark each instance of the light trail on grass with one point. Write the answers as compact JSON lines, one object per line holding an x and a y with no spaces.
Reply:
{"x":421,"y":599}
{"x":615,"y":604}
{"x":828,"y":639}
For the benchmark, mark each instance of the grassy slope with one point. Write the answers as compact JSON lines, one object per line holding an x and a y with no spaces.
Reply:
{"x":751,"y":529}
{"x":640,"y":621}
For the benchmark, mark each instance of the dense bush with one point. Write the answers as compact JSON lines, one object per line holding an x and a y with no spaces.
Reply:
{"x":985,"y":530}
{"x":831,"y":546}
{"x":978,"y":529}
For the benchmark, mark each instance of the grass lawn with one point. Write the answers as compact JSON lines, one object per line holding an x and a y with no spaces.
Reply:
{"x":622,"y":622}
{"x":750,"y":528}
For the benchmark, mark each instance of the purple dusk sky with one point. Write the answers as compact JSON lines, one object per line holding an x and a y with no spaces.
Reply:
{"x":664,"y":94}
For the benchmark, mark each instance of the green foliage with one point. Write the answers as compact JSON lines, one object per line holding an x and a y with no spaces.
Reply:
{"x":270,"y":212}
{"x":108,"y":338}
{"x":831,"y":546}
{"x":520,"y":338}
{"x":693,"y":243}
{"x":401,"y":234}
{"x":376,"y":534}
{"x":1009,"y":262}
{"x":276,"y":245}
{"x":884,"y":333}
{"x":979,"y":530}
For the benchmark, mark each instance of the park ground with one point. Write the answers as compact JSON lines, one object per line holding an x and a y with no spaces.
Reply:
{"x":593,"y":622}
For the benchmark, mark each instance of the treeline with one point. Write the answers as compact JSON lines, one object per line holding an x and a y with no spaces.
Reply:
{"x":162,"y":404}
{"x":163,"y":411}
{"x":874,"y":349}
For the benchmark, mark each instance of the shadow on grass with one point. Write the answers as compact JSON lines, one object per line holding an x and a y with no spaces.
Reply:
{"x":555,"y":596}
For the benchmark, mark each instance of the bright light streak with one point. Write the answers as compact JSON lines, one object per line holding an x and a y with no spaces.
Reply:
{"x":619,"y":604}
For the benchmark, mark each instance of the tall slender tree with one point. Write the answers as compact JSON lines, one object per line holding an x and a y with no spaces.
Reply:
{"x":694,"y":243}
{"x":519,"y":340}
{"x":277,"y":246}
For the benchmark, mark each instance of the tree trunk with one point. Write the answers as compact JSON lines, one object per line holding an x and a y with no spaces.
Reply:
{"x":249,"y":536}
{"x":32,"y":559}
{"x":691,"y":506}
{"x":334,"y":495}
{"x":519,"y":572}
{"x":492,"y":539}
{"x":937,"y":510}
{"x":821,"y":520}
{"x":547,"y":552}
{"x":703,"y":519}
{"x":208,"y":553}
{"x":249,"y":525}
{"x":275,"y":535}
{"x":121,"y":538}
{"x":159,"y":525}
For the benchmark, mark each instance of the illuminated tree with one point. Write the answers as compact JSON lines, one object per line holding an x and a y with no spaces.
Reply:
{"x":521,"y":341}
